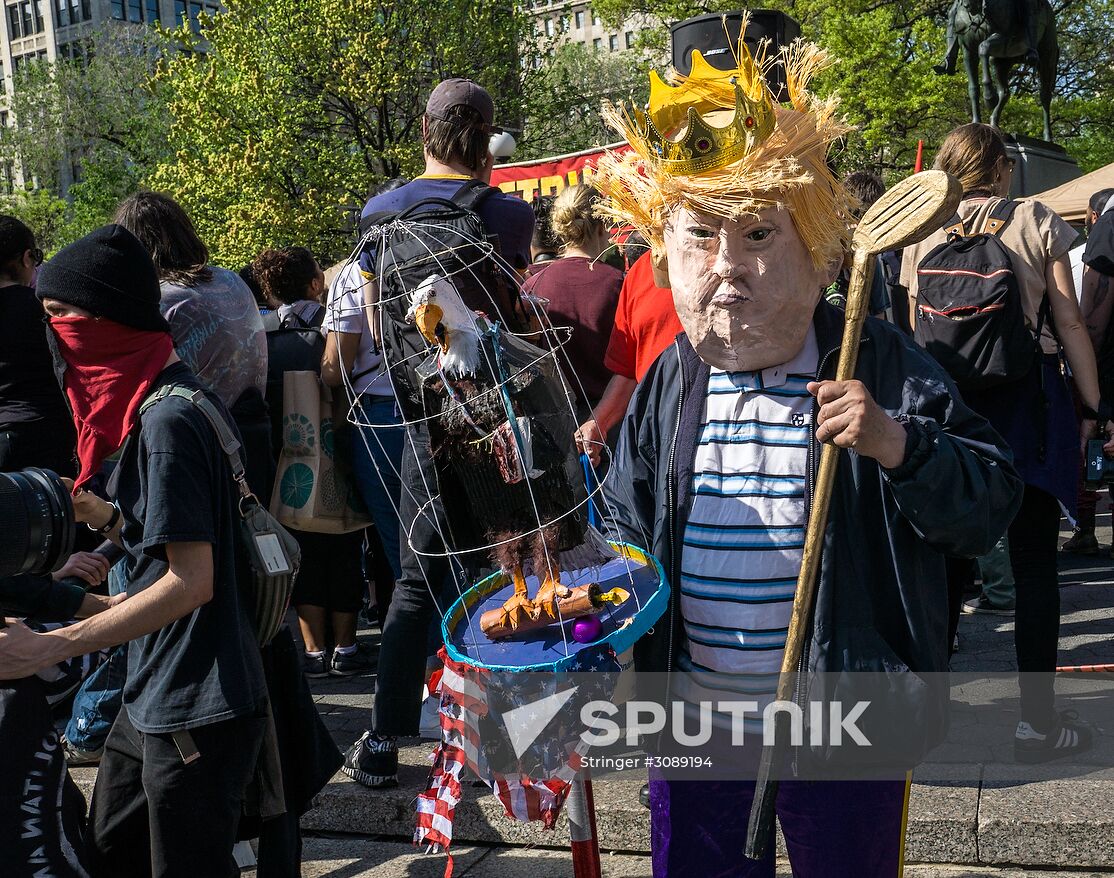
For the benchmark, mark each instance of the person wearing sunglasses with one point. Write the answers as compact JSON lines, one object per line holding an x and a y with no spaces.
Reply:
{"x":35,"y":424}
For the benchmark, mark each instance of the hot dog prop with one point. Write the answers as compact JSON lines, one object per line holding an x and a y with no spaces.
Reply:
{"x":584,"y":600}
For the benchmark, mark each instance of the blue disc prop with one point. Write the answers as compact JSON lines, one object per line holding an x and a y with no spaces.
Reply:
{"x":545,"y":649}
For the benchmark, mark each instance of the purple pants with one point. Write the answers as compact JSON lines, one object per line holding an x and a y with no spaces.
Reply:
{"x":833,"y":829}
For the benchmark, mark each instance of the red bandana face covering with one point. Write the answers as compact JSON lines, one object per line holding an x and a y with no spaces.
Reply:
{"x":109,"y":371}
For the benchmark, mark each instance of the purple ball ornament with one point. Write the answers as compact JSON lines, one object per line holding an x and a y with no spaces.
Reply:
{"x":587,"y":629}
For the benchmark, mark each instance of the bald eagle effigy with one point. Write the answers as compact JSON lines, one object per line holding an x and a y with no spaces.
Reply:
{"x":501,"y":431}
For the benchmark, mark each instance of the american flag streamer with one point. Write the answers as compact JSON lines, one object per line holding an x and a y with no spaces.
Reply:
{"x":474,"y":702}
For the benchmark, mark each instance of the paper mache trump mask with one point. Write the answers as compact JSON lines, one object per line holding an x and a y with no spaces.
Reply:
{"x":735,"y":196}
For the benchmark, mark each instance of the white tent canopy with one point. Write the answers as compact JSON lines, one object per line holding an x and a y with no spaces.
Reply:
{"x":1070,"y":199}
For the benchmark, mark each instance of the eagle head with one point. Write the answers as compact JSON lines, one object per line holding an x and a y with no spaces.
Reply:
{"x":445,"y":322}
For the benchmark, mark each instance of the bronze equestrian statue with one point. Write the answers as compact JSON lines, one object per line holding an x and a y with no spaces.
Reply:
{"x":996,"y":35}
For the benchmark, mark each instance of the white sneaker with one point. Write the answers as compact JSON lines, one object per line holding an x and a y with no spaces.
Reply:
{"x":1070,"y":735}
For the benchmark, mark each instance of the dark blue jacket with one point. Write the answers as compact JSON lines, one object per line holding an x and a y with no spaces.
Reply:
{"x":881,"y":603}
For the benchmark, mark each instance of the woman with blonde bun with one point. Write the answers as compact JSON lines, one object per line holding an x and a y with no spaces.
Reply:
{"x":581,"y":292}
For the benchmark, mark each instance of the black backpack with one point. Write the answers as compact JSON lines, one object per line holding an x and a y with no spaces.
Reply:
{"x":969,"y":313}
{"x":435,"y":236}
{"x":296,"y":346}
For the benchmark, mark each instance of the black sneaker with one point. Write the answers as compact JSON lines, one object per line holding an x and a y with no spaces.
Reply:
{"x":1081,"y":542}
{"x":348,"y":665}
{"x":315,"y":666}
{"x":1069,"y":736}
{"x":982,"y":605}
{"x":373,"y":761}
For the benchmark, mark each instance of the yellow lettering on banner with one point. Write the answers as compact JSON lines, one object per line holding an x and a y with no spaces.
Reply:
{"x":508,"y":186}
{"x":528,"y":188}
{"x":552,"y":185}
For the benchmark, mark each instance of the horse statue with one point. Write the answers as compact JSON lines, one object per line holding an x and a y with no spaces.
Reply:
{"x":995,"y":35}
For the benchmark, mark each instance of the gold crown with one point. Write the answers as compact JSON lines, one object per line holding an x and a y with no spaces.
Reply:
{"x":701,"y":146}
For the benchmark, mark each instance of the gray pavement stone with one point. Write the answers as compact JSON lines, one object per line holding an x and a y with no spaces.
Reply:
{"x":384,"y":858}
{"x":1047,"y":816}
{"x":943,"y":808}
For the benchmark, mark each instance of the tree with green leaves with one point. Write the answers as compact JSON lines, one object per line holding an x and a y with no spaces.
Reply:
{"x":886,"y":50}
{"x":563,"y":97}
{"x":296,"y":107}
{"x":101,"y":118}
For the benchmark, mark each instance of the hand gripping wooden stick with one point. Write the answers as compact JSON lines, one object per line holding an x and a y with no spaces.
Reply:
{"x":907,"y":213}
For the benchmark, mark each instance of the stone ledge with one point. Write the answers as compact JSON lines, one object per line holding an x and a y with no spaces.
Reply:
{"x":386,"y":858}
{"x":1047,"y":818}
{"x":1062,"y":817}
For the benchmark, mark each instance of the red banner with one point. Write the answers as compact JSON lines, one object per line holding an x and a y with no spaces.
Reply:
{"x":549,"y":176}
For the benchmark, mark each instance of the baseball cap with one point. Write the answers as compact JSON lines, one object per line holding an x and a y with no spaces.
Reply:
{"x":460,"y":93}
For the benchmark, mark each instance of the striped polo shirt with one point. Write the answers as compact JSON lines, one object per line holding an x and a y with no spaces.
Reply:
{"x":745,"y":533}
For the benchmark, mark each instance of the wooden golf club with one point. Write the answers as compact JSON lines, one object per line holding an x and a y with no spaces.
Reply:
{"x":907,"y":213}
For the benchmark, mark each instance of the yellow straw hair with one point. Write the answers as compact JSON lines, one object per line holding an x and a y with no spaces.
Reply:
{"x":788,"y":168}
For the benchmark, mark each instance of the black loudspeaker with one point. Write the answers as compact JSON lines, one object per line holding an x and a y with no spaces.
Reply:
{"x":717,"y":35}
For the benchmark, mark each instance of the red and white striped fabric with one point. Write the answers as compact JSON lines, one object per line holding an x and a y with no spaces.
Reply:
{"x":463,"y":706}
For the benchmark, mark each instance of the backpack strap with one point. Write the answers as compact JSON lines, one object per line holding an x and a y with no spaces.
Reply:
{"x":472,"y":194}
{"x":996,"y":220}
{"x":373,"y":219}
{"x":229,"y":444}
{"x":1044,"y":313}
{"x":293,"y":321}
{"x":469,"y":196}
{"x":300,"y":323}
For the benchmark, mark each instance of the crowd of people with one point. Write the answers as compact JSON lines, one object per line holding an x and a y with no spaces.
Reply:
{"x":689,"y":406}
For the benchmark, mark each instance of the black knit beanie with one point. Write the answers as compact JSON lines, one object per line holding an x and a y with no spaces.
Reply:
{"x":109,"y":274}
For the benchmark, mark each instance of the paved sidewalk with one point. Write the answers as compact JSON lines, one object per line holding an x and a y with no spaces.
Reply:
{"x":384,"y":858}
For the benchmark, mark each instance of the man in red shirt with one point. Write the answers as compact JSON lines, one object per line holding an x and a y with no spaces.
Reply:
{"x":645,"y":325}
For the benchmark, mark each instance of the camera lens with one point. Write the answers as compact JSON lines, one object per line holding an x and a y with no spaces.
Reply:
{"x":37,"y":517}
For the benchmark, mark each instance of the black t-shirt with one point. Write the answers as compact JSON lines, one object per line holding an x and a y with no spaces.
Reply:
{"x":29,"y":391}
{"x":175,"y":486}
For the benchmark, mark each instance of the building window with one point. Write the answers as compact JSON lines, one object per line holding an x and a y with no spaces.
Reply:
{"x":195,"y":17}
{"x":62,"y":12}
{"x":30,"y":19}
{"x":595,"y":19}
{"x":549,"y":27}
{"x":580,"y":19}
{"x":118,"y":9}
{"x":152,"y":11}
{"x":613,"y":42}
{"x":597,"y":44}
{"x":135,"y":10}
{"x":19,"y":60}
{"x":179,"y":12}
{"x":630,"y":40}
{"x":14,"y":22}
{"x":77,"y":51}
{"x":566,"y":23}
